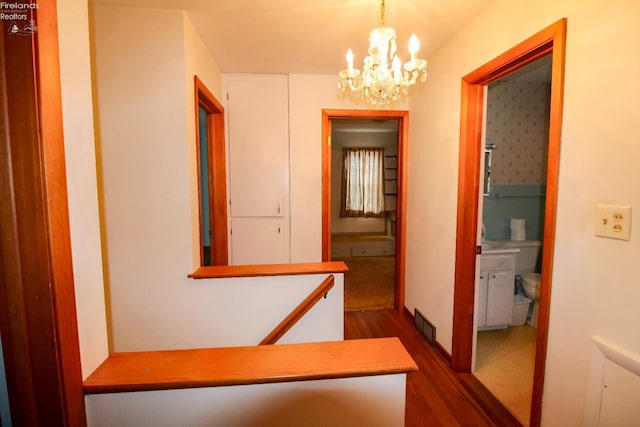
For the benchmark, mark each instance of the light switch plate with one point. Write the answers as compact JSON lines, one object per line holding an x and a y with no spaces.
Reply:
{"x":613,"y":221}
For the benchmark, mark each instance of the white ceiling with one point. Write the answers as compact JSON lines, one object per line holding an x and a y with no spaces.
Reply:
{"x":312,"y":36}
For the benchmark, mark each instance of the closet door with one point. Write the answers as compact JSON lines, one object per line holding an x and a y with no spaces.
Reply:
{"x":258,"y":241}
{"x":258,"y":135}
{"x":258,"y":145}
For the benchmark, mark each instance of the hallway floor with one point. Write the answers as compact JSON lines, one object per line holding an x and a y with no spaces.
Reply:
{"x":436,"y":395}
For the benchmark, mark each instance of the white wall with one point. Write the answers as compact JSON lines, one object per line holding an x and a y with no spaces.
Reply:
{"x":145,"y":60}
{"x":595,"y":280}
{"x":308,"y":96}
{"x":141,"y":105}
{"x":364,"y":401}
{"x":80,"y":158}
{"x":197,"y":61}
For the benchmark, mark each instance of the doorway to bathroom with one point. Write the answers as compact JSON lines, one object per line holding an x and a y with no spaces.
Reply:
{"x":516,"y":142}
{"x":550,"y":41}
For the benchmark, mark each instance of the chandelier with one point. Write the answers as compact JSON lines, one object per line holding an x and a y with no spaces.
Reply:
{"x":383,"y":78}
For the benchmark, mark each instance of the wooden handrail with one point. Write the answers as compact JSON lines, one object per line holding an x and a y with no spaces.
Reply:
{"x":299,"y":311}
{"x":225,"y":271}
{"x":229,"y":366}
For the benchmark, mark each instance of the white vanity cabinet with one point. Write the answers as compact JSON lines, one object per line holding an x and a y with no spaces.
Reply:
{"x":495,"y":290}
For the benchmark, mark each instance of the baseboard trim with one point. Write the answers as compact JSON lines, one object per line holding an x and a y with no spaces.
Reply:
{"x":408,"y":314}
{"x":444,"y":354}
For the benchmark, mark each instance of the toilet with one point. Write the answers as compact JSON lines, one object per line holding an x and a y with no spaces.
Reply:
{"x":531,"y":285}
{"x":527,"y":267}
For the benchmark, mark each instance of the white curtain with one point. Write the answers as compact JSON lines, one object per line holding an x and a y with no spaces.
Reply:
{"x":362,"y":182}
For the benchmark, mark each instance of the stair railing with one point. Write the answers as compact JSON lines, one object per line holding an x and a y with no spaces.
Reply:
{"x":299,"y":312}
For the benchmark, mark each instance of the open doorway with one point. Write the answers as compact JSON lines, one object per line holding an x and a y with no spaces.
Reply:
{"x":550,"y":41}
{"x":212,"y":184}
{"x":381,"y":236}
{"x":364,"y":155}
{"x":516,"y":141}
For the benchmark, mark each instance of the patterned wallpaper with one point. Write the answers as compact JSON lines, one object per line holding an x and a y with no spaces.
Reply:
{"x":518,"y":124}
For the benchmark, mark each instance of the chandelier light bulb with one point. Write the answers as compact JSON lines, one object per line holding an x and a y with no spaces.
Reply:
{"x":350,"y":60}
{"x":374,"y":41}
{"x":414,"y":46}
{"x":397,"y":72}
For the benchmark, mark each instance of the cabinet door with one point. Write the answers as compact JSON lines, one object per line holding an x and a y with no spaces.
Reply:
{"x":258,"y":145}
{"x":258,"y":241}
{"x":482,"y":299}
{"x":499,"y":297}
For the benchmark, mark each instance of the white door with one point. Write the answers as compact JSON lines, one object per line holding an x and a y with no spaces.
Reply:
{"x":258,"y":138}
{"x":258,"y":241}
{"x":482,"y":299}
{"x":499,"y":297}
{"x":258,"y":145}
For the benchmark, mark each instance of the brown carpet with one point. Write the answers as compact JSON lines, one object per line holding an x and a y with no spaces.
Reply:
{"x":369,"y":283}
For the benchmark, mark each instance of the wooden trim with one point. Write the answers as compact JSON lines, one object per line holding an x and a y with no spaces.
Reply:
{"x":218,"y":179}
{"x":199,"y":169}
{"x":401,"y":210}
{"x":442,"y":352}
{"x":37,"y":299}
{"x":326,"y":186}
{"x":299,"y":312}
{"x":57,"y":212}
{"x":215,"y":367}
{"x":467,"y":223}
{"x":401,"y":201}
{"x":551,"y":40}
{"x":16,"y":58}
{"x":530,"y":50}
{"x":216,"y":272}
{"x":409,"y":315}
{"x":550,"y":215}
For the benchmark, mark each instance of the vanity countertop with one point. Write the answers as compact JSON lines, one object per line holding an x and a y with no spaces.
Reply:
{"x":490,"y":247}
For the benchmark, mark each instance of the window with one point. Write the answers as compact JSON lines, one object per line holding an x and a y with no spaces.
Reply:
{"x":362,"y":182}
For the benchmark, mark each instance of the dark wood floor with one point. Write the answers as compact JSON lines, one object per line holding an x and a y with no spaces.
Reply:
{"x":436,"y":395}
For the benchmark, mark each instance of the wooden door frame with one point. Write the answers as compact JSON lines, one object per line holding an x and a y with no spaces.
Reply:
{"x":551,"y":40}
{"x":218,"y":179}
{"x":37,"y":298}
{"x":401,"y":203}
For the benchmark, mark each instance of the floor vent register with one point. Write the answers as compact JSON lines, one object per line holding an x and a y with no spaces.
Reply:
{"x":426,"y":328}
